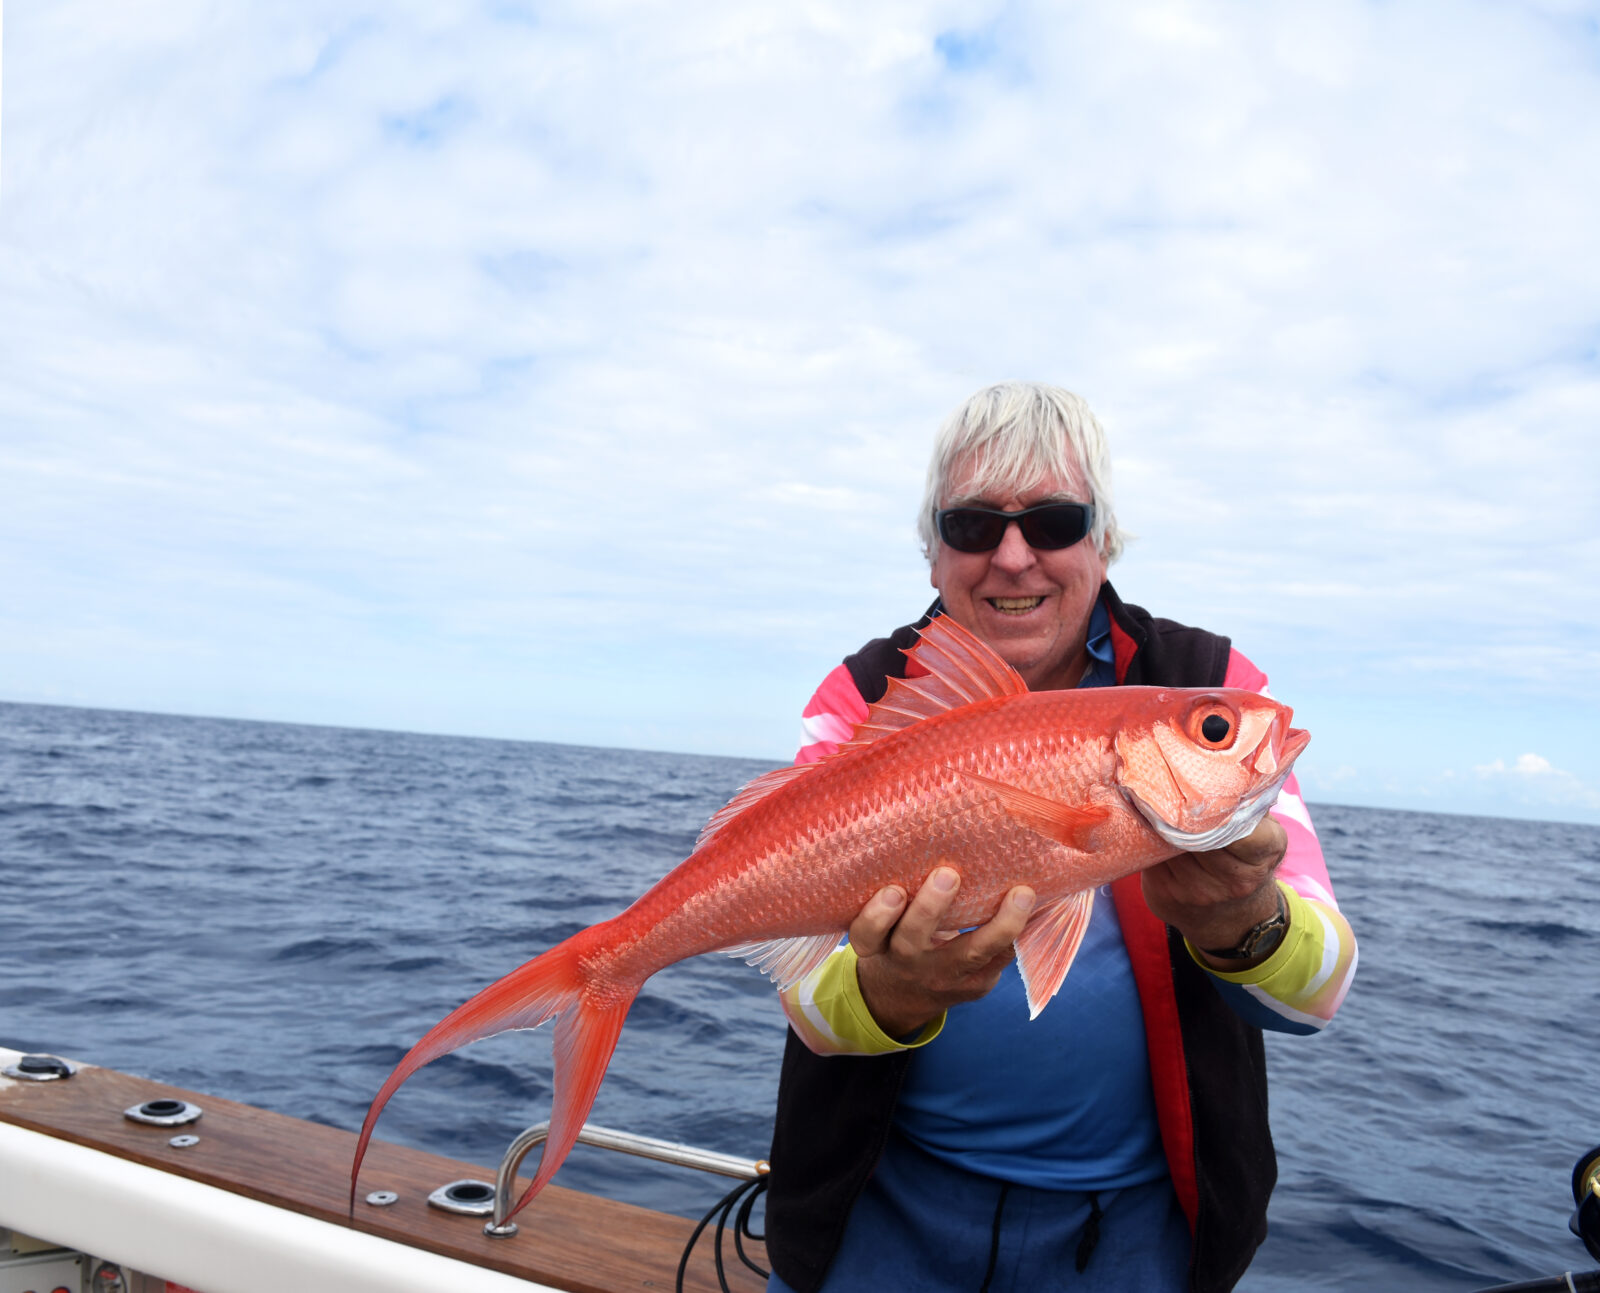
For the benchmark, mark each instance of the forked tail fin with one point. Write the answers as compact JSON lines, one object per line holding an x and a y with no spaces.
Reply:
{"x":586,"y":1035}
{"x":587,"y":1025}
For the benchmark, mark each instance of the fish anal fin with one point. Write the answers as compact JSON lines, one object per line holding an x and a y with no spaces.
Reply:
{"x":1067,"y":824}
{"x":753,"y":791}
{"x":1049,"y":944}
{"x":946,"y":669}
{"x":788,"y":960}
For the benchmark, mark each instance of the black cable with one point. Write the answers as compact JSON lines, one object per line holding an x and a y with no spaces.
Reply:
{"x":749,"y":1191}
{"x":742,"y":1231}
{"x":716,"y":1245}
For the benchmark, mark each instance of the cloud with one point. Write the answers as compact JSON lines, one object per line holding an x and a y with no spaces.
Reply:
{"x":1537,"y":781}
{"x":497,"y":335}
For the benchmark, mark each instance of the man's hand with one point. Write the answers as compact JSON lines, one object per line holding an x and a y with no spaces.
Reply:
{"x":911,"y":970}
{"x":1214,"y":898}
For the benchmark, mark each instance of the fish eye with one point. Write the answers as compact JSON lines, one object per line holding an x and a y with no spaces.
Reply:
{"x":1215,"y":728}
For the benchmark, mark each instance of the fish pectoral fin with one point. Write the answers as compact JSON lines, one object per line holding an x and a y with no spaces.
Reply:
{"x":1067,"y":824}
{"x":788,"y":960}
{"x":1049,"y":944}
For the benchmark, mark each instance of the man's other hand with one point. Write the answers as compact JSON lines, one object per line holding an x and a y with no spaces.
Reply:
{"x":911,"y":969}
{"x":1214,"y":898}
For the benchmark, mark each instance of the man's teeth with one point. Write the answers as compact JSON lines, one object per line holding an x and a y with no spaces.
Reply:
{"x":1015,"y":604}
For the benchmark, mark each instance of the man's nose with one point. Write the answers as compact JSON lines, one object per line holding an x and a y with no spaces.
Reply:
{"x":1013,"y":554}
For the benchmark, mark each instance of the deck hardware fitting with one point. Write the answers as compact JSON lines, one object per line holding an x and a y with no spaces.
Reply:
{"x":382,"y":1198}
{"x":38,"y":1068}
{"x":183,"y":1142}
{"x":624,"y":1142}
{"x":163,"y":1113}
{"x":470,"y":1198}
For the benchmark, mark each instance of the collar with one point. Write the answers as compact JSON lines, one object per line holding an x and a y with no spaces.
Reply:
{"x":1102,"y":666}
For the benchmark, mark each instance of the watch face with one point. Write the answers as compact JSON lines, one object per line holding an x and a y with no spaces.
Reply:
{"x":1264,"y":936}
{"x":1258,"y":939}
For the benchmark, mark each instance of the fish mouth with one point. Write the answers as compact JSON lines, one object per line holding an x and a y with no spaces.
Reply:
{"x":1015,"y":605}
{"x":1244,"y":819}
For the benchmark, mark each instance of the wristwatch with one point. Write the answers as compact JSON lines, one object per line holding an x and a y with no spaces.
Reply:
{"x":1258,"y":940}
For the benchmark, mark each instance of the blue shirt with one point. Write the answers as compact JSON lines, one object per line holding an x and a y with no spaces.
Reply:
{"x":1061,"y":1102}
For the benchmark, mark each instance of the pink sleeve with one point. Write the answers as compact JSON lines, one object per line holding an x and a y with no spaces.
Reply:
{"x":831,"y":716}
{"x":1302,"y":868}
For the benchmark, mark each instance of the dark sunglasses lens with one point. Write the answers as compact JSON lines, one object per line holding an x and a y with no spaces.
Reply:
{"x":1056,"y":526}
{"x":966,"y":529}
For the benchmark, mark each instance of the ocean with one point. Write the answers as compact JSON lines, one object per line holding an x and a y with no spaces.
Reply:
{"x":272,"y":913}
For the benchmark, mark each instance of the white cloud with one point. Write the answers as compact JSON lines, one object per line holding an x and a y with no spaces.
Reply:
{"x":423,"y":331}
{"x":1537,"y":781}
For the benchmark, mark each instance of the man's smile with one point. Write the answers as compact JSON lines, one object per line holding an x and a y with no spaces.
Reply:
{"x":1014,"y":605}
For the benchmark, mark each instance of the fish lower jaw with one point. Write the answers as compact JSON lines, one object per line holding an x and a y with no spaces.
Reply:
{"x":1244,"y":819}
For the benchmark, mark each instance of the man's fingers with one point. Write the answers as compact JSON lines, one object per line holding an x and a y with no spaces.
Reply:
{"x":942,"y":960}
{"x":919,"y":927}
{"x":995,"y":938}
{"x":1264,"y":846}
{"x":869,"y":931}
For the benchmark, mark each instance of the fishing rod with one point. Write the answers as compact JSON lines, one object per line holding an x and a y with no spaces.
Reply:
{"x":1585,"y":1223}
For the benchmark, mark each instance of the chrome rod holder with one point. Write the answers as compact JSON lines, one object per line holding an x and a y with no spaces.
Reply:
{"x":624,"y":1142}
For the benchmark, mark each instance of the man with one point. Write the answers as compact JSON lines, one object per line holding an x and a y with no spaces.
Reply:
{"x":929,"y":1135}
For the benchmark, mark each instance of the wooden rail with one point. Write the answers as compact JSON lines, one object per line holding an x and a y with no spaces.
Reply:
{"x":566,"y":1239}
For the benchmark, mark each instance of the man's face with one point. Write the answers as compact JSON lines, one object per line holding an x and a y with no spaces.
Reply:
{"x":1031,"y":605}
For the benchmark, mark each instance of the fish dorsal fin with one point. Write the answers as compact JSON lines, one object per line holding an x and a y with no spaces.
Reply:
{"x":757,"y":788}
{"x":960,"y":671}
{"x":1049,"y":944}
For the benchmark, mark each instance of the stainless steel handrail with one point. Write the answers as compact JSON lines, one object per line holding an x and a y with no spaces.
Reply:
{"x":624,"y":1142}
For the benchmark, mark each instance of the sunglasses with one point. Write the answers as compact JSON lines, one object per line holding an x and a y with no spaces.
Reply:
{"x":1043,"y":526}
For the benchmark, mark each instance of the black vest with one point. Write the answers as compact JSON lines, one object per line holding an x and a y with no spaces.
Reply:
{"x":834,"y":1112}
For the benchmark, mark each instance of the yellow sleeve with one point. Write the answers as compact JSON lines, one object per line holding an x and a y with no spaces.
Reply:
{"x":1299,"y":987}
{"x":828,"y":1014}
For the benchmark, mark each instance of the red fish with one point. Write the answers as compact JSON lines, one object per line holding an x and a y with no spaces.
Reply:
{"x":1064,"y":791}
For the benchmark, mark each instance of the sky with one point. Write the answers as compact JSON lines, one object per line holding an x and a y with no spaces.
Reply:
{"x":567,"y":372}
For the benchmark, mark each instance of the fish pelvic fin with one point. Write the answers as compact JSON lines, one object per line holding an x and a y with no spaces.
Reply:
{"x":1049,"y":944}
{"x":554,"y":985}
{"x":1067,"y":824}
{"x":788,"y":960}
{"x":953,"y":669}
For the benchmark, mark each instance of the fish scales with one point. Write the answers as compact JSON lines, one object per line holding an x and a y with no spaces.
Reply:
{"x":902,"y":809}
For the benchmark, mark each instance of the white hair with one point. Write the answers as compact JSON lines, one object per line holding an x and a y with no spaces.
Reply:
{"x":1012,"y":435}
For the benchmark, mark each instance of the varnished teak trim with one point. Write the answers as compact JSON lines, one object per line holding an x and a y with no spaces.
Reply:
{"x":566,"y":1239}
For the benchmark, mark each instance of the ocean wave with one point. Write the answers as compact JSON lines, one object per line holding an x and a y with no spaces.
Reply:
{"x":275,"y":913}
{"x":1551,"y":933}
